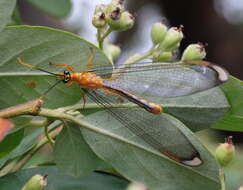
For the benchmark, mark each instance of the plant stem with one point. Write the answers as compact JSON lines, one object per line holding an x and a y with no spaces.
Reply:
{"x":50,"y":140}
{"x":102,"y":38}
{"x":98,"y":37}
{"x":29,"y":108}
{"x":222,"y":178}
{"x":87,"y":126}
{"x":137,"y":58}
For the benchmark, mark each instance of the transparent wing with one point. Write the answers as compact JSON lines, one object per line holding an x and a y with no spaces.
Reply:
{"x":156,"y":130}
{"x":165,"y":80}
{"x":138,"y":67}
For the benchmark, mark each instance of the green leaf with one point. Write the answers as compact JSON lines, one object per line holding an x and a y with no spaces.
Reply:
{"x":10,"y":142}
{"x":198,"y":111}
{"x":24,"y":146}
{"x":6,"y":10}
{"x":38,"y":46}
{"x":137,"y":161}
{"x":58,"y":8}
{"x":21,"y":122}
{"x":233,"y":120}
{"x":72,"y":154}
{"x":58,"y":181}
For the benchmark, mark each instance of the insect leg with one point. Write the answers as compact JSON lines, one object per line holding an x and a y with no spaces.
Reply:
{"x":90,"y":59}
{"x":64,"y":65}
{"x":84,"y":101}
{"x":22,"y":62}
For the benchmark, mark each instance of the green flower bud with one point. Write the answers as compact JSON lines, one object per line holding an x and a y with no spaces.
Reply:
{"x":113,"y":51}
{"x":127,"y":20}
{"x":100,"y":8}
{"x":158,"y":32}
{"x":99,"y":20}
{"x":194,"y":52}
{"x":162,"y":57}
{"x":113,"y":19}
{"x":225,"y":152}
{"x":172,"y":39}
{"x":123,"y":22}
{"x":36,"y":182}
{"x":114,"y":6}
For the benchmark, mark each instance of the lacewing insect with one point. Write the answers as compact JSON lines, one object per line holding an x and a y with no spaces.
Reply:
{"x":144,"y":84}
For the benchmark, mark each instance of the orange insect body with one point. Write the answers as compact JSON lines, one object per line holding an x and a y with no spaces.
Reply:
{"x":87,"y":80}
{"x":92,"y":81}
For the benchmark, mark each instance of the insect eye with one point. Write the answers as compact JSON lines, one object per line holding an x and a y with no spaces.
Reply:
{"x":66,"y":76}
{"x":66,"y":72}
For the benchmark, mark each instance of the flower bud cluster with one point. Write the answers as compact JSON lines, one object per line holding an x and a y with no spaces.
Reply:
{"x":167,"y":40}
{"x":113,"y":15}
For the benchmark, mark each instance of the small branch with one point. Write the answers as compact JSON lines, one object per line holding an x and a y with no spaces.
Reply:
{"x":29,"y":108}
{"x":102,"y":38}
{"x":76,"y":120}
{"x":137,"y":58}
{"x":222,"y":178}
{"x":99,"y":38}
{"x":51,"y":141}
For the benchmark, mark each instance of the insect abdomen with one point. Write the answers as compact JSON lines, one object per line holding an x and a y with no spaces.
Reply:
{"x":149,"y":106}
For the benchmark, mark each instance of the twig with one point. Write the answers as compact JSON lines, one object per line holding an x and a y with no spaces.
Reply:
{"x":48,"y":136}
{"x":29,"y":108}
{"x":102,"y":38}
{"x":222,"y":178}
{"x":137,"y":58}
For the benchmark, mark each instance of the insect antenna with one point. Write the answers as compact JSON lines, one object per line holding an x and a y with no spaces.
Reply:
{"x":21,"y":61}
{"x":49,"y":89}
